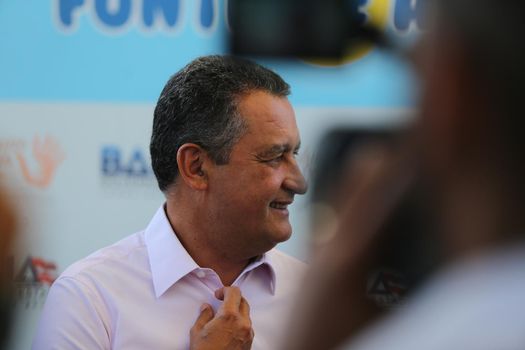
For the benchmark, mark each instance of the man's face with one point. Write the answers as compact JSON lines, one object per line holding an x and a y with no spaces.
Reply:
{"x":250,"y":195}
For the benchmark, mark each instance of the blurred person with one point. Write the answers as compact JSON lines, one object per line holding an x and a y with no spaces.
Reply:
{"x":223,"y":149}
{"x":467,"y":148}
{"x":8,"y":228}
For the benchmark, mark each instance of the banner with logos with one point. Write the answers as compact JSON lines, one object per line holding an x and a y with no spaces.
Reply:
{"x":78,"y":85}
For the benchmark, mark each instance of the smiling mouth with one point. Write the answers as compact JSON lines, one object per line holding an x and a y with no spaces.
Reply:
{"x":280,"y":205}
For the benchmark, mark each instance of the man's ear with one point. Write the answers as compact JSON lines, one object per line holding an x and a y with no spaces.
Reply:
{"x":192,"y":160}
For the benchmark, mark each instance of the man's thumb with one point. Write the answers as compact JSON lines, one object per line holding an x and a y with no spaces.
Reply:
{"x":205,"y":316}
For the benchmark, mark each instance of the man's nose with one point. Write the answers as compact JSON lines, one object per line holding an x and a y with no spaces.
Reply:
{"x":295,"y":181}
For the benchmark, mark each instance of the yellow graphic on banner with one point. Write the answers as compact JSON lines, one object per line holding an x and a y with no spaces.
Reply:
{"x":377,"y":15}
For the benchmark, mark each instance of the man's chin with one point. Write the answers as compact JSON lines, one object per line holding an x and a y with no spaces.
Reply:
{"x":282,"y":234}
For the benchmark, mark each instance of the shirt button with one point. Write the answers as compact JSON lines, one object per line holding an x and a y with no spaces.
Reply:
{"x":201,"y":274}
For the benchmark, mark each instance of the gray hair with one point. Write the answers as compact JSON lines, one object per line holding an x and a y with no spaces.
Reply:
{"x":199,"y":105}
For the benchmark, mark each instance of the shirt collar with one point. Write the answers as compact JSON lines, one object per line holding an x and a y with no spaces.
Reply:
{"x":265,"y":261}
{"x":169,"y":260}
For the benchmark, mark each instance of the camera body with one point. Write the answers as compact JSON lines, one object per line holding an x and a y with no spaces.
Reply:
{"x":410,"y":248}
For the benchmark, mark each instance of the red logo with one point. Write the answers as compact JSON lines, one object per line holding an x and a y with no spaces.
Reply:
{"x":387,"y":288}
{"x":38,"y":167}
{"x":32,"y":281}
{"x":37,"y":270}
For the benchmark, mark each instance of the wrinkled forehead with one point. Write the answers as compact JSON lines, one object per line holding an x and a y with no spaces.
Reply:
{"x":268,"y":117}
{"x":264,"y":111}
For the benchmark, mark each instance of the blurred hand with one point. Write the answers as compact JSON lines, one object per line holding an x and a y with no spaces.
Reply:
{"x":230,"y":328}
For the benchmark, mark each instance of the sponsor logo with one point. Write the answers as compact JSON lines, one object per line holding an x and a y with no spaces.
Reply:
{"x":126,"y":171}
{"x":115,"y":162}
{"x":400,"y":17}
{"x":32,"y":281}
{"x":169,"y":15}
{"x":36,"y":162}
{"x":387,"y":288}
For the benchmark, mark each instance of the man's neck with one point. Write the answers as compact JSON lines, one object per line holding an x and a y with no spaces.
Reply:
{"x":194,"y":235}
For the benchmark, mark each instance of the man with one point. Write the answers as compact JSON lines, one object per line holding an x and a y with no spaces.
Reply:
{"x":468,"y":142}
{"x":223,"y":150}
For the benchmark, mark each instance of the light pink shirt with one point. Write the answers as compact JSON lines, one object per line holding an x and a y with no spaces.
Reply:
{"x":145,"y":291}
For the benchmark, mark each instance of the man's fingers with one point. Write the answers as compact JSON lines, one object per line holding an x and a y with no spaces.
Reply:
{"x":219,"y":293}
{"x":245,"y":308}
{"x":231,"y":299}
{"x":205,"y":316}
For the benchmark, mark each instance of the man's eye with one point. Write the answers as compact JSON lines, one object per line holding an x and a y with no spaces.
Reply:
{"x":274,"y":159}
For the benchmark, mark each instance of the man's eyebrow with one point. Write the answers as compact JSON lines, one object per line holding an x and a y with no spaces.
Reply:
{"x":277,"y":149}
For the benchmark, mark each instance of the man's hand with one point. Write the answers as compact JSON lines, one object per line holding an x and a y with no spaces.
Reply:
{"x":230,"y":328}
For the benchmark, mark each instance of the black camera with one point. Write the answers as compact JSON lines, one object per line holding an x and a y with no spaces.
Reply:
{"x":298,"y":28}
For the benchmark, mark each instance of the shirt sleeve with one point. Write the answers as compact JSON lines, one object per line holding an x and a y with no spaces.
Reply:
{"x":72,"y":318}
